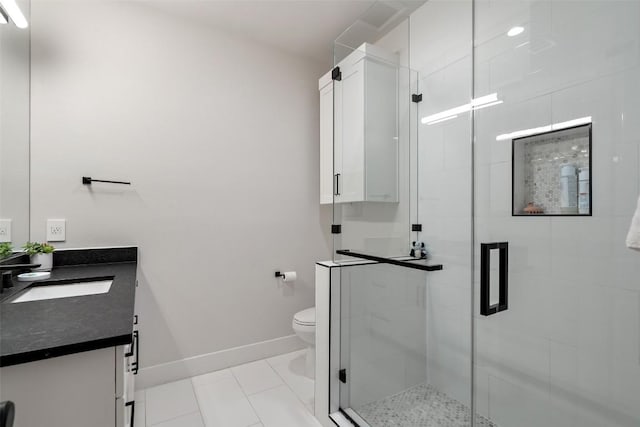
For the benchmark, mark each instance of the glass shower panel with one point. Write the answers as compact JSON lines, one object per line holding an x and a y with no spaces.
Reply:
{"x":563,"y":348}
{"x":383,"y":346}
{"x":441,"y":51}
{"x":374,"y":133}
{"x":374,"y":139}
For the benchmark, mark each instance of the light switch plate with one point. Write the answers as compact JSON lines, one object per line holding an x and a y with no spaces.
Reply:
{"x":5,"y":230}
{"x":56,"y":230}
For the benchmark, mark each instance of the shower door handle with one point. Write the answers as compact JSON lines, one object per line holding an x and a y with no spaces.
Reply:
{"x":486,"y":308}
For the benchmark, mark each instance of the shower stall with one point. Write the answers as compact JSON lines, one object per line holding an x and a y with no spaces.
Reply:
{"x":501,"y":140}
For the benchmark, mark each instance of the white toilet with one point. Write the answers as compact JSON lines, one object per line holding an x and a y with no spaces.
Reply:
{"x":304,"y":325}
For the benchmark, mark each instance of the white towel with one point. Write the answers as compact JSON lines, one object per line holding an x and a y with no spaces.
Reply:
{"x":633,"y":238}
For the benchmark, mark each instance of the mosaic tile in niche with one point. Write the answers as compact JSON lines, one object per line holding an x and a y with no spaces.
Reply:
{"x":542,"y":157}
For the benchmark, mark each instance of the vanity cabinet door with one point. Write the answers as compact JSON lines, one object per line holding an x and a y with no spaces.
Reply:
{"x":125,"y":413}
{"x":68,"y":391}
{"x":125,"y":404}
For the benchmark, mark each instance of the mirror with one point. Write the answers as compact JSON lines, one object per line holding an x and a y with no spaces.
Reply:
{"x":14,"y":131}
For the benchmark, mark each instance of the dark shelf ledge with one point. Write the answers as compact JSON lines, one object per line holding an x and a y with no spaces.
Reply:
{"x":417,"y":264}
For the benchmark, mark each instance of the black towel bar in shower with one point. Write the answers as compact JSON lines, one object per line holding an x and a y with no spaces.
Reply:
{"x":87,"y":180}
{"x":417,"y":264}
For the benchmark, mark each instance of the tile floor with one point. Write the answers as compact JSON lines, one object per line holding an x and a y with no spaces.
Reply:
{"x":269,"y":393}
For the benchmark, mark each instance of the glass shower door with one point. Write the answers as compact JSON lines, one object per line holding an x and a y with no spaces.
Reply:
{"x":383,"y":376}
{"x":556,"y":292}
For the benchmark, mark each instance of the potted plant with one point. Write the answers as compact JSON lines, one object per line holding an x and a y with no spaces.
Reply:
{"x":40,"y":253}
{"x":6,"y":250}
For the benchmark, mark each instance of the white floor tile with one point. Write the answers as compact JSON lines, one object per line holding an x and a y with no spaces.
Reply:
{"x":212,"y":377}
{"x":291,"y":368}
{"x":279,"y":407}
{"x":170,"y":401}
{"x":223,"y":404}
{"x":139,"y":417}
{"x":190,"y":420}
{"x":219,"y":399}
{"x":256,"y":377}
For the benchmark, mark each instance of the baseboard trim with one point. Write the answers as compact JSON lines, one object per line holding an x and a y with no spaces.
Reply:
{"x":198,"y":365}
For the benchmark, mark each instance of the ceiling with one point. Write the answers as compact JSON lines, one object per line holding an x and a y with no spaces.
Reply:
{"x":302,"y":27}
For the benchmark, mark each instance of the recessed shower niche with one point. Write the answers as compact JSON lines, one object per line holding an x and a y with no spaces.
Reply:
{"x":552,"y":173}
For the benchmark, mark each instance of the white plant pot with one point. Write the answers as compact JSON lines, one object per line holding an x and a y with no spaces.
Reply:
{"x":45,"y":261}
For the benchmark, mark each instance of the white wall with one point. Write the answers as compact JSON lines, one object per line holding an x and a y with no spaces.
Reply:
{"x":219,"y":136}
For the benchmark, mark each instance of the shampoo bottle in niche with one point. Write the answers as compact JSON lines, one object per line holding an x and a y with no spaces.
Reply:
{"x":568,"y":190}
{"x":584,"y":196}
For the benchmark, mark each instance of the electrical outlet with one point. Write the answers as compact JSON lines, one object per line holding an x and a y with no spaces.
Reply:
{"x":56,"y":230}
{"x":5,"y":230}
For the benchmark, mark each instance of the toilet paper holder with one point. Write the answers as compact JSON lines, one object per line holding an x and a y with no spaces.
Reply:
{"x":287,"y":276}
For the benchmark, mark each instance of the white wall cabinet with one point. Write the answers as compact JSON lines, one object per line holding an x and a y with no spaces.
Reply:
{"x":325,"y":86}
{"x":359,"y":129}
{"x":92,"y":388}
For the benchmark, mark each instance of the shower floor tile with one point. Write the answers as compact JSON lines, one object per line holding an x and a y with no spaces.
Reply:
{"x":420,"y":406}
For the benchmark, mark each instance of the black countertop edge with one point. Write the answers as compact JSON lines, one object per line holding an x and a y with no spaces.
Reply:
{"x":16,"y":258}
{"x":33,"y":356}
{"x":66,"y":257}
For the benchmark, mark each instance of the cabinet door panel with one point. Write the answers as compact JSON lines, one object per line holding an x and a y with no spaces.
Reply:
{"x":125,"y":415}
{"x":326,"y":144}
{"x":381,"y":132}
{"x":338,"y":120}
{"x":351,"y":111}
{"x":121,"y":412}
{"x":67,"y":391}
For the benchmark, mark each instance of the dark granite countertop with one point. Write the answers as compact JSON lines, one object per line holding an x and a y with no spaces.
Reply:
{"x":43,"y":329}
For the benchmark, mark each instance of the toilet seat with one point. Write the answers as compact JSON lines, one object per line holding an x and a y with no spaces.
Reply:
{"x":305,"y":317}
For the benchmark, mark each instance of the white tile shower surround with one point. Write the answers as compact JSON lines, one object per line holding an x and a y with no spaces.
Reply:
{"x":270,"y":392}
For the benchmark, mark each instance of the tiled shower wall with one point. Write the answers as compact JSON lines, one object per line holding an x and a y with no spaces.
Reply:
{"x":567,"y":352}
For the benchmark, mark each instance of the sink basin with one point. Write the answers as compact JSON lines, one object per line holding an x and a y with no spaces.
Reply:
{"x":64,"y":289}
